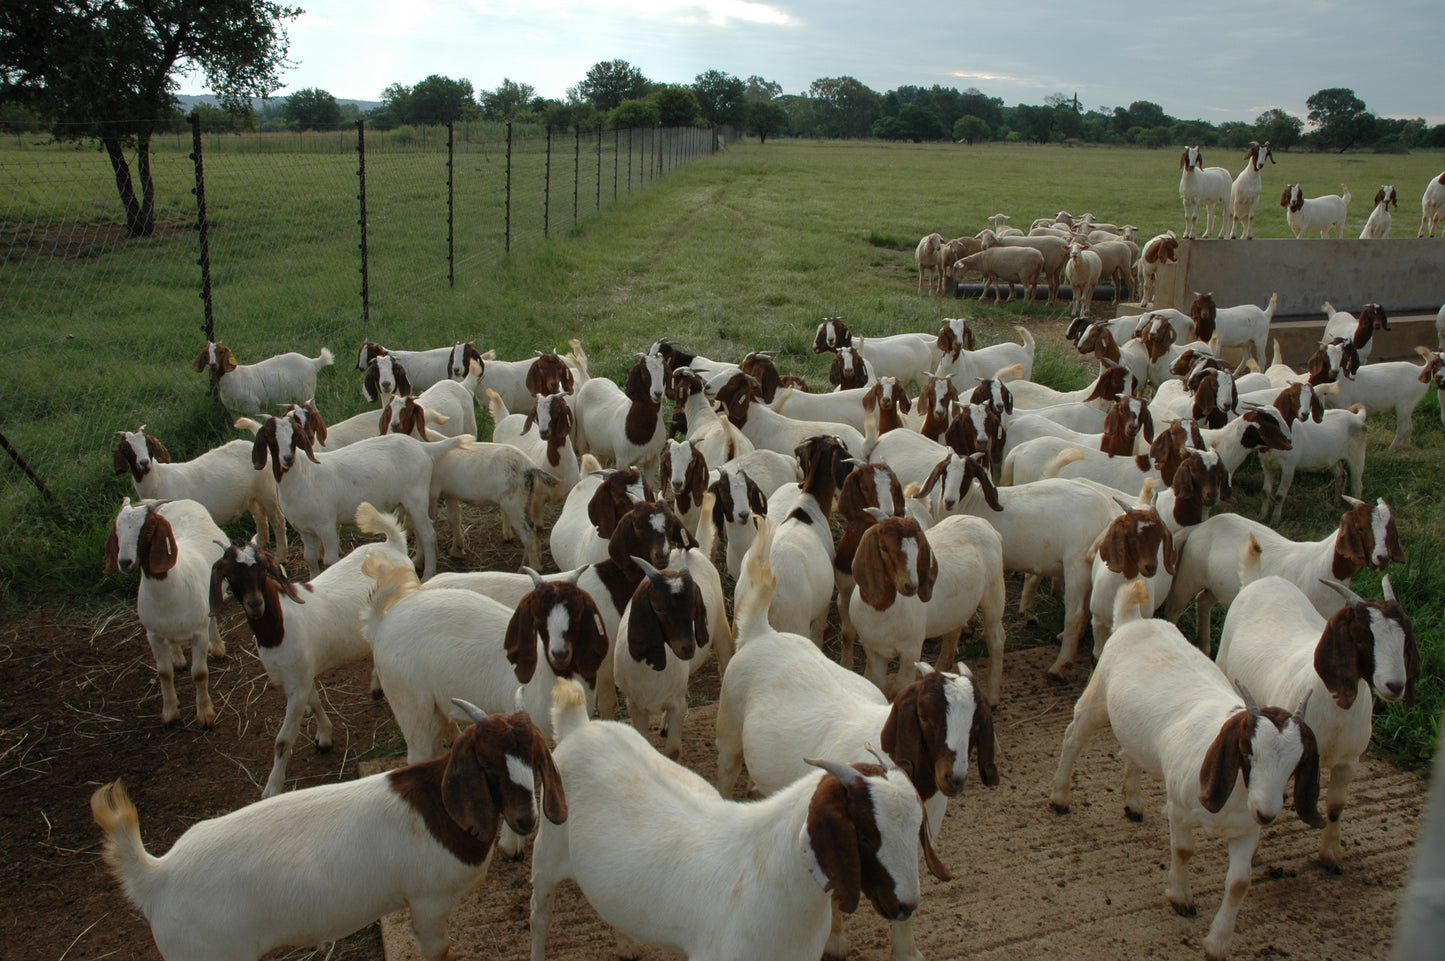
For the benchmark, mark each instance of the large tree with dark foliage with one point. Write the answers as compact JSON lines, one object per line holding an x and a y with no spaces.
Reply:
{"x":106,"y":70}
{"x":1339,"y":118}
{"x":609,"y":83}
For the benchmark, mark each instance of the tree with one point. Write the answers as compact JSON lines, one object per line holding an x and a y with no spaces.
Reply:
{"x":88,"y":65}
{"x":757,"y":89}
{"x":504,"y":102}
{"x":633,"y":114}
{"x":609,"y":83}
{"x":677,"y":105}
{"x":311,"y":109}
{"x":1278,"y":129}
{"x":844,"y":107}
{"x":766,"y":118}
{"x":889,"y":128}
{"x":1339,"y":118}
{"x":971,"y":129}
{"x":986,"y":108}
{"x":720,"y":97}
{"x":920,"y":123}
{"x":441,"y":100}
{"x":1146,"y":113}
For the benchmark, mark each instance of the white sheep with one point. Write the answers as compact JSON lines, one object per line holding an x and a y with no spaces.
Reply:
{"x":1275,"y":642}
{"x":1315,"y":213}
{"x":667,"y":862}
{"x":1055,"y":250}
{"x":1083,"y":270}
{"x":1176,"y":717}
{"x":1015,"y":265}
{"x":288,"y":378}
{"x":172,"y":544}
{"x":312,"y":866}
{"x":928,"y":255}
{"x":1199,"y":185}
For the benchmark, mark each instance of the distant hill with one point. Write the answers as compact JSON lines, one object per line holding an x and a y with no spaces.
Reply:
{"x":187,"y":101}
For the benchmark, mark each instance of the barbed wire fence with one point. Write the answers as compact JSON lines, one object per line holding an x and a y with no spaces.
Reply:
{"x":100,"y":328}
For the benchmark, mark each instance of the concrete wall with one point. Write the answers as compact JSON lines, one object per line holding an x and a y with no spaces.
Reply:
{"x":1405,"y":275}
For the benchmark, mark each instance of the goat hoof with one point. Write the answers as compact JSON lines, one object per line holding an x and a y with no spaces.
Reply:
{"x":1331,"y":866}
{"x":1185,"y":909}
{"x":378,"y":694}
{"x":1136,"y":816}
{"x":1055,"y":678}
{"x":1059,"y":808}
{"x":323,"y":748}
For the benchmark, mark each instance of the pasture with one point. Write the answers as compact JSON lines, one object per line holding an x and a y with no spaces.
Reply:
{"x":745,"y":250}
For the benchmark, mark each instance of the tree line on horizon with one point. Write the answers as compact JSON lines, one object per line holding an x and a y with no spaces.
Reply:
{"x":106,"y":71}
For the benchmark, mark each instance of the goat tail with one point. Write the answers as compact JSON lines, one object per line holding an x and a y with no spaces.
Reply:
{"x":496,"y":406}
{"x":373,"y":521}
{"x":1026,"y":338}
{"x":326,"y":359}
{"x":750,"y":611}
{"x":246,"y":423}
{"x":1249,"y":556}
{"x":1273,"y":303}
{"x":579,"y":357}
{"x":1328,"y":309}
{"x":1011,"y":372}
{"x":539,"y":493}
{"x":706,"y":526}
{"x":123,"y":849}
{"x":394,"y":581}
{"x":436,"y":448}
{"x":1061,"y":460}
{"x":589,"y":464}
{"x":1130,"y":603}
{"x":569,"y":707}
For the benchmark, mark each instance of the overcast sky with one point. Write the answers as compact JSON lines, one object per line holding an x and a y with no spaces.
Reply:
{"x":1215,"y":60}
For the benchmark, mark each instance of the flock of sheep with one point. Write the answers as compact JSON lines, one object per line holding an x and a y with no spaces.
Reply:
{"x":939,"y":492}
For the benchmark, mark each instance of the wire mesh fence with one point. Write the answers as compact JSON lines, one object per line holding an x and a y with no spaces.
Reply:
{"x":100,"y":327}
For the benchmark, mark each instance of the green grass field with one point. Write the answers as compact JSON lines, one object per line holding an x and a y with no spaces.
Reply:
{"x":748,"y":249}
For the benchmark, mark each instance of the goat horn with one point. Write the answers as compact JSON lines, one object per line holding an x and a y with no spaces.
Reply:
{"x":843,"y":772}
{"x":651,"y":572}
{"x":536,"y":578}
{"x":1250,"y":704}
{"x":1389,"y":591}
{"x":475,"y":713}
{"x":876,"y":513}
{"x":1354,"y":501}
{"x":884,"y":760}
{"x":1343,"y":590}
{"x":1299,"y":712}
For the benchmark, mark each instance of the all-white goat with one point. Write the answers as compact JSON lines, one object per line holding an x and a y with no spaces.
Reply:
{"x":433,"y":644}
{"x":319,"y":492}
{"x":1245,"y":192}
{"x":1323,"y":214}
{"x":173,"y":544}
{"x":313,"y":866}
{"x":500,"y":474}
{"x":301,"y":634}
{"x":783,"y":700}
{"x":1209,"y":187}
{"x":288,"y":378}
{"x":1377,"y":227}
{"x":1224,"y":759}
{"x":1276,"y":643}
{"x":1211,"y":568}
{"x":1432,"y":205}
{"x":221,"y":480}
{"x":667,"y":862}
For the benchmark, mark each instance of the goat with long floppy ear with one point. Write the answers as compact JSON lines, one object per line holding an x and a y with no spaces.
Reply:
{"x":504,"y":736}
{"x":581,"y":649}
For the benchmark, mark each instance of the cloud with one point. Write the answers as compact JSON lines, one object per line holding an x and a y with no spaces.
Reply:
{"x":711,"y":12}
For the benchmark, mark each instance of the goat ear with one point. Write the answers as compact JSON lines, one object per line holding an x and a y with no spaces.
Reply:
{"x":927,"y":569}
{"x":554,"y":799}
{"x":419,"y":424}
{"x":759,"y":504}
{"x":521,"y":640}
{"x":902,"y":739}
{"x":262,"y":445}
{"x":218,"y":581}
{"x":1170,"y":552}
{"x":120,"y":457}
{"x":1337,"y":657}
{"x":466,"y":789}
{"x":371,"y":383}
{"x":602,"y":511}
{"x":636,"y":386}
{"x":830,"y":843}
{"x":1221,"y":762}
{"x":934,"y":476}
{"x":403,"y":382}
{"x":1307,"y":779}
{"x":225,"y":360}
{"x":112,"y":552}
{"x":1119,"y":550}
{"x":986,"y":484}
{"x":157,"y":450}
{"x":875,"y":587}
{"x":981,"y":735}
{"x":646,"y":643}
{"x":203,"y":360}
{"x":589,"y":646}
{"x":160,"y":555}
{"x":699,"y":617}
{"x":384,"y":424}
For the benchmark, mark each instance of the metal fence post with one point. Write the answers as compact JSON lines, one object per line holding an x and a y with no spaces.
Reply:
{"x":361,"y":177}
{"x":547,"y":189}
{"x":599,"y":166}
{"x":203,"y":228}
{"x":630,"y":132}
{"x":576,"y":169}
{"x":451,"y":210}
{"x":509,"y":187}
{"x":616,"y":158}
